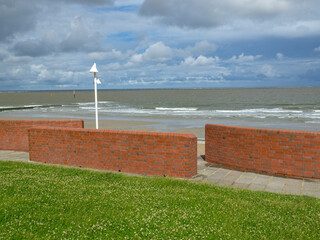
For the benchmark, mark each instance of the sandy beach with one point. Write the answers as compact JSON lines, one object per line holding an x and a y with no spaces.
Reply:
{"x":131,"y":125}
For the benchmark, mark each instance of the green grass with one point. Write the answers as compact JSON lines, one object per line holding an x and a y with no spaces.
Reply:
{"x":47,"y":202}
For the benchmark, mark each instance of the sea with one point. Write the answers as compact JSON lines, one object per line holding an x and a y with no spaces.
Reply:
{"x":296,"y":108}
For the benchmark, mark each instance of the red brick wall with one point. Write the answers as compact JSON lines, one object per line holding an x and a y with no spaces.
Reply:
{"x":14,"y":133}
{"x":279,"y":152}
{"x":146,"y":153}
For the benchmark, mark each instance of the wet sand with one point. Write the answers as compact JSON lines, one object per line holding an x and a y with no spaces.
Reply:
{"x":138,"y":126}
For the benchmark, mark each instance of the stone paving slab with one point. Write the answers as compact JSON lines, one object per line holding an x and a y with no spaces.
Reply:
{"x":217,"y":175}
{"x":260,"y":183}
{"x":311,"y":188}
{"x":276,"y":185}
{"x":293,"y":186}
{"x":208,"y":171}
{"x":203,"y":164}
{"x":262,"y":180}
{"x":245,"y":180}
{"x":230,"y":178}
{"x":14,"y":156}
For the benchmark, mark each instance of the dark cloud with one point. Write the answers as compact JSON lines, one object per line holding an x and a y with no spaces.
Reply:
{"x":213,"y":13}
{"x":19,"y":16}
{"x":16,"y":16}
{"x":80,"y":39}
{"x":90,"y":2}
{"x":186,"y":13}
{"x":2,"y":56}
{"x":33,"y":48}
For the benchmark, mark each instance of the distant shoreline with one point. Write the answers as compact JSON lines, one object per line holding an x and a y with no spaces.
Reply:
{"x":151,"y":89}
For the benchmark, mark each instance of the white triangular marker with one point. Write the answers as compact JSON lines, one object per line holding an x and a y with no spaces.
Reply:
{"x":94,"y":68}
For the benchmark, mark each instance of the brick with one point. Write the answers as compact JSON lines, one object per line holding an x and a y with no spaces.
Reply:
{"x":148,"y":153}
{"x":290,"y":153}
{"x":14,"y":133}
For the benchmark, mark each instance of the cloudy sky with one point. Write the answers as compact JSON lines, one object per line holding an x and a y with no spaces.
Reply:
{"x":47,"y":44}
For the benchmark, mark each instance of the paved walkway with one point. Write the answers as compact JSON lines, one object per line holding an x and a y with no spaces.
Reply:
{"x":217,"y":175}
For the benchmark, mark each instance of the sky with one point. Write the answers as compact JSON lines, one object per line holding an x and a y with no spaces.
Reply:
{"x":51,"y":45}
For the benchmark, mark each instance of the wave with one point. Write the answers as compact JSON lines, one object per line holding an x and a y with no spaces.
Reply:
{"x":260,"y":110}
{"x":84,"y":104}
{"x":92,"y":103}
{"x":114,"y":108}
{"x":316,"y":122}
{"x":117,"y":109}
{"x":175,"y":109}
{"x":25,"y":107}
{"x":33,"y":106}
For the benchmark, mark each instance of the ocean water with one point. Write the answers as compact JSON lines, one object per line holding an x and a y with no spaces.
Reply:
{"x":283,"y":108}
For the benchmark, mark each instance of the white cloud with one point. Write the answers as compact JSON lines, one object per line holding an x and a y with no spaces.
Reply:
{"x":292,"y":29}
{"x":36,"y":68}
{"x":112,"y":66}
{"x":52,"y":43}
{"x":268,"y":71}
{"x":41,"y":71}
{"x":17,"y":72}
{"x":135,"y":59}
{"x":44,"y":74}
{"x":280,"y":56}
{"x":201,"y":48}
{"x":113,"y":54}
{"x":157,"y":52}
{"x":243,"y":58}
{"x":200,"y":61}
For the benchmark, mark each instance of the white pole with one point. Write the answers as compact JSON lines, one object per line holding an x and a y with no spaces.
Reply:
{"x":96,"y":98}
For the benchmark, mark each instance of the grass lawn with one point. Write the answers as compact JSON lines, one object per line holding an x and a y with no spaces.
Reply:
{"x":47,"y":202}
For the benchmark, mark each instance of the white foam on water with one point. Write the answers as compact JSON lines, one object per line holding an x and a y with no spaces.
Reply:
{"x":176,"y":109}
{"x":258,"y":113}
{"x":86,"y":103}
{"x":314,"y":122}
{"x":88,"y":108}
{"x":6,"y":107}
{"x":92,"y":103}
{"x":114,"y":108}
{"x":30,"y":106}
{"x":260,"y":110}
